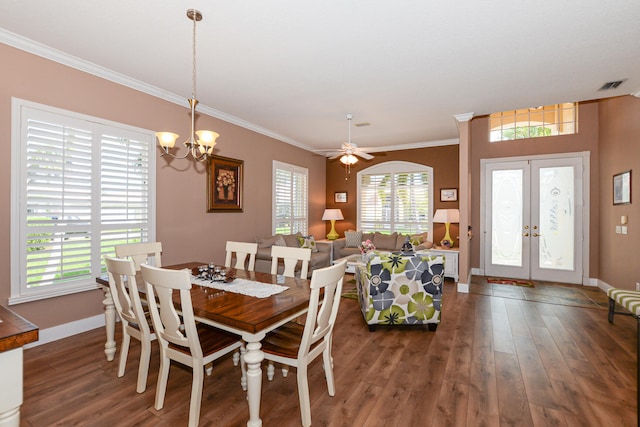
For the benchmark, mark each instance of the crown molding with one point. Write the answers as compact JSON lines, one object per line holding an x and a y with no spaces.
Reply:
{"x":464,"y":117}
{"x":63,"y":58}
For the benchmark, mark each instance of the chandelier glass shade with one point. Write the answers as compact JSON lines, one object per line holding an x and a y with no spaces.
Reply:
{"x":200,"y":143}
{"x":348,"y":159}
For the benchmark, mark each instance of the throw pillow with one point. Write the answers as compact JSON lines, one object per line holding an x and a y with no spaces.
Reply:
{"x":417,"y":239}
{"x":280,"y":241}
{"x":307,"y":242}
{"x":352,"y":239}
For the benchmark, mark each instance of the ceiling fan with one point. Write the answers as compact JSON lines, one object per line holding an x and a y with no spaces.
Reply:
{"x":348,"y":152}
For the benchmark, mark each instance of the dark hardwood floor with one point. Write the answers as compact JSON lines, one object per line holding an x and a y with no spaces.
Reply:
{"x":493,"y":361}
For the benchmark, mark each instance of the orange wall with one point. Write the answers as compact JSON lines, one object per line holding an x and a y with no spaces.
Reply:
{"x":186,"y":230}
{"x":443,"y":160}
{"x":619,"y":137}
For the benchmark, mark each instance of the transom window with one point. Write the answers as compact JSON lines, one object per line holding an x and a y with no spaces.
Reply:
{"x":80,"y":186}
{"x":550,"y":120}
{"x":290,"y":198}
{"x":395,"y":197}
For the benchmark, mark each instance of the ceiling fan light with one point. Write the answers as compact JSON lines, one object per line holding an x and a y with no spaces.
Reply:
{"x":348,"y":159}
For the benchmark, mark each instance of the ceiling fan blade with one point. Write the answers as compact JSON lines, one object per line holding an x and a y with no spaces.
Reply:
{"x":335,"y":156}
{"x":364,"y":155}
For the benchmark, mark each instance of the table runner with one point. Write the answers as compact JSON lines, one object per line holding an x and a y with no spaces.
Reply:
{"x":245,"y":287}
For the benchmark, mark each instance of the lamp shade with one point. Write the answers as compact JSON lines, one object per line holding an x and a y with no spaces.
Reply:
{"x":447,"y":215}
{"x":335,"y":214}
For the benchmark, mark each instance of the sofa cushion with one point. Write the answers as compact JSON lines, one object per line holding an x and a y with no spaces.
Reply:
{"x":292,"y":239}
{"x":385,"y":241}
{"x":352,"y":239}
{"x":267,"y":242}
{"x":308,"y":242}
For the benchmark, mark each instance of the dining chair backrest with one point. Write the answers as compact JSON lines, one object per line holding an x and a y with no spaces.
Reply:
{"x":126,"y":299}
{"x":291,"y":257}
{"x":160,"y":284}
{"x":326,"y":283}
{"x":242,"y":250}
{"x":124,"y":291}
{"x":141,"y":253}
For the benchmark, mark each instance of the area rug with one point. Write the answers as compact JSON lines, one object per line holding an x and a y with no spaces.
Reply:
{"x":513,"y":282}
{"x":349,"y":289}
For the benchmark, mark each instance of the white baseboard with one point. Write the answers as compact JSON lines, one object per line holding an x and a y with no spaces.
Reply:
{"x":68,"y":329}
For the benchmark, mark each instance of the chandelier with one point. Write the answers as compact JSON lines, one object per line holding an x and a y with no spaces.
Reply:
{"x":200,"y":143}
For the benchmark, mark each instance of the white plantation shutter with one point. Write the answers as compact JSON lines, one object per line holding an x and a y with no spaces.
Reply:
{"x":78,"y":187}
{"x":290,"y":199}
{"x":395,"y":197}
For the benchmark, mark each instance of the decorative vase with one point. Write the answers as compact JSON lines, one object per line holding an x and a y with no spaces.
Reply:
{"x":221,"y":193}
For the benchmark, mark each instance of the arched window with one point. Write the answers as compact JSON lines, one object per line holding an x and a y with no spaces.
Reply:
{"x":395,"y":197}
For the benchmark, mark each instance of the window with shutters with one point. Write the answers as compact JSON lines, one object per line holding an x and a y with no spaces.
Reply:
{"x":395,"y":197}
{"x":80,"y":186}
{"x":290,"y":199}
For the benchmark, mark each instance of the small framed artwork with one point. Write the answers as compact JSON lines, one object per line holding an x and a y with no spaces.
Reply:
{"x":622,"y":188}
{"x":224,"y":185}
{"x":448,"y":194}
{"x":340,"y":197}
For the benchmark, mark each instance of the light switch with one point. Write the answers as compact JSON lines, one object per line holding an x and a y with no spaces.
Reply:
{"x":618,"y":229}
{"x":624,"y":229}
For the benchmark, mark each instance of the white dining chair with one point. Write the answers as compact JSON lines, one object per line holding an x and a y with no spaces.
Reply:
{"x":291,"y":256}
{"x":141,"y":253}
{"x":126,"y":299}
{"x":298,"y":345}
{"x":182,"y":339}
{"x":242,"y":251}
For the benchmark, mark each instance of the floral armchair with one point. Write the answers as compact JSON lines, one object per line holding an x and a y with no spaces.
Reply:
{"x":401,"y":289}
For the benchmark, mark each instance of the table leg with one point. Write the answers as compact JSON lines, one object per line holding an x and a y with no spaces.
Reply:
{"x":109,"y":324}
{"x":253,"y":358}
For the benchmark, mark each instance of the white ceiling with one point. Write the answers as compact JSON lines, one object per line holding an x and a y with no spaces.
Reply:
{"x":293,"y":69}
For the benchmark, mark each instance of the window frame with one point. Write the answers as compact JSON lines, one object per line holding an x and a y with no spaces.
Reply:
{"x":394,"y":168}
{"x":275,"y":222}
{"x":549,"y":117}
{"x":102,"y":134}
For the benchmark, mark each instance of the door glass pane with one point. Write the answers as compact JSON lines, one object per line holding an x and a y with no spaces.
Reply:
{"x":557,"y":217}
{"x":506,"y":217}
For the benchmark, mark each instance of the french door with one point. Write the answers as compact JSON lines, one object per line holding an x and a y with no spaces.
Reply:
{"x":533,"y":219}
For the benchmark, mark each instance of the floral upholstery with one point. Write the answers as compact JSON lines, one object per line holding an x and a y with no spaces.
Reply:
{"x":396,"y":289}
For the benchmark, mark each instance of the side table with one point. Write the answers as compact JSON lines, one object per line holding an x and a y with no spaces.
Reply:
{"x":451,"y":269}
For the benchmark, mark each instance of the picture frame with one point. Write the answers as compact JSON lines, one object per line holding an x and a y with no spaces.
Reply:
{"x":224,"y":184}
{"x":448,"y":194}
{"x":622,"y":188}
{"x":340,"y":197}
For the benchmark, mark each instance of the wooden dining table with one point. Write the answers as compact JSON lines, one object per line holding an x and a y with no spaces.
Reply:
{"x":249,"y":317}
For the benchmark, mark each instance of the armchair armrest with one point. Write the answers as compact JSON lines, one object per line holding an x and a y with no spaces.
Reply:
{"x":323,"y":247}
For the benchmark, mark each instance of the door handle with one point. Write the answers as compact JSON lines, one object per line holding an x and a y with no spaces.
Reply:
{"x":525,"y":234}
{"x":536,"y":234}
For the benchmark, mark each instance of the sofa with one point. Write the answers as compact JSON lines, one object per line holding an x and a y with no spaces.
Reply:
{"x":349,"y":244}
{"x":400,"y":289}
{"x":320,"y":251}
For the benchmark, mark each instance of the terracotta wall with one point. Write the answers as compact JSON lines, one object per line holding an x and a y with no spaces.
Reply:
{"x":443,"y":160}
{"x":585,"y":140}
{"x":619,"y":142}
{"x":186,"y":230}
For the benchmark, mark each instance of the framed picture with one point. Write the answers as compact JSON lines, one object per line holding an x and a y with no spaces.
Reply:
{"x":224,"y":185}
{"x":622,"y":188}
{"x":448,"y":194}
{"x":340,"y":197}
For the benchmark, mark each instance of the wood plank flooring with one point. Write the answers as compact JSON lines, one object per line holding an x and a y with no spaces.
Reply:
{"x":492,"y":362}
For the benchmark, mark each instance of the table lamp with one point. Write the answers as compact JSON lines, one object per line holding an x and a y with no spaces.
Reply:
{"x":332,"y":215}
{"x":447,"y":216}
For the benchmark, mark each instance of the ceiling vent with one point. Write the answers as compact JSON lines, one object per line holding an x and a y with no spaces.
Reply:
{"x":612,"y":85}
